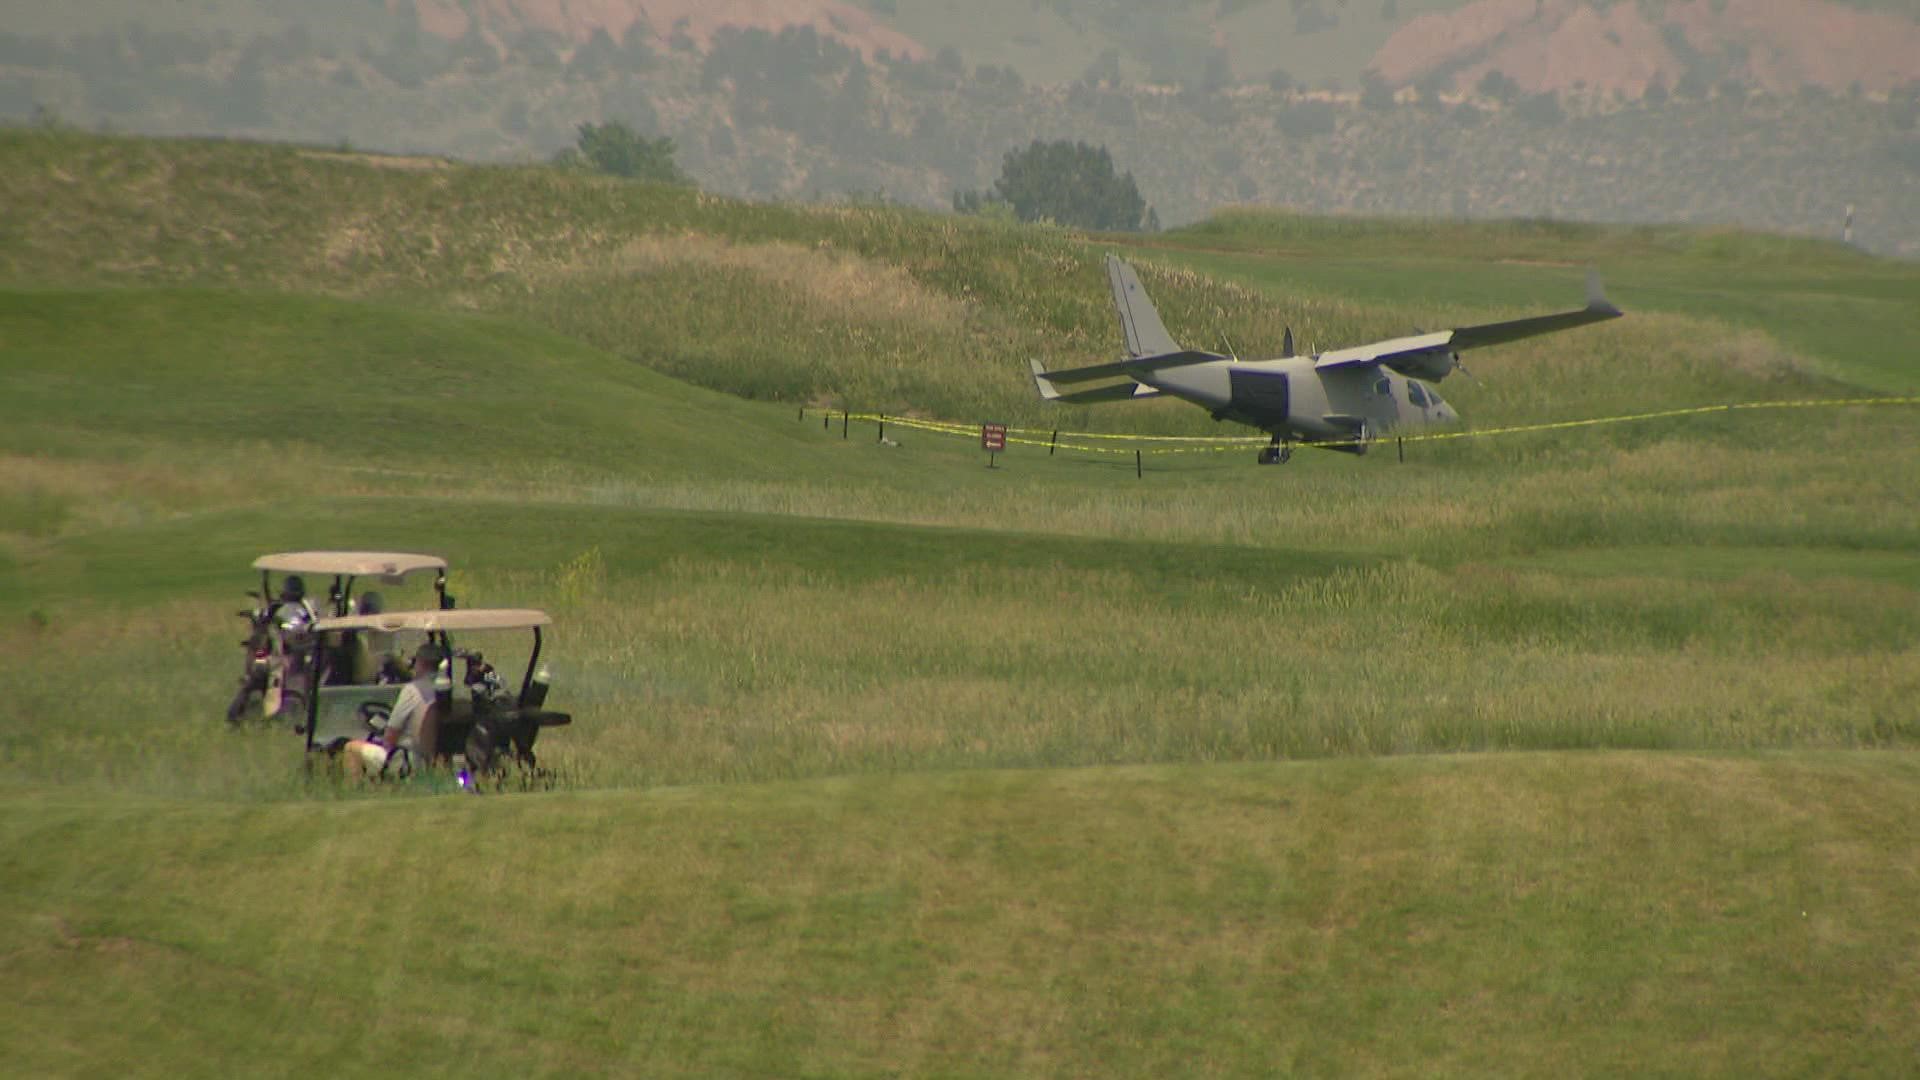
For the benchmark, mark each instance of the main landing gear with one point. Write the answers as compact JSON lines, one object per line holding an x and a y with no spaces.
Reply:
{"x":1277,"y":453}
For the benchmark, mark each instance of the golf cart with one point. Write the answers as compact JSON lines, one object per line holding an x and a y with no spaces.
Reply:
{"x":477,"y":717}
{"x":282,"y":649}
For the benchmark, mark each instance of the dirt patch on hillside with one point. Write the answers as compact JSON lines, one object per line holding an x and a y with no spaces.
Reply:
{"x":1569,"y":45}
{"x":403,"y":162}
{"x":576,"y":20}
{"x":843,"y":285}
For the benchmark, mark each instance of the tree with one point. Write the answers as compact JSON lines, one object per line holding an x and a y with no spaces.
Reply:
{"x":1903,"y":106}
{"x":1499,"y":86}
{"x":1541,"y":108}
{"x":596,"y":58}
{"x":1306,"y":119}
{"x":617,"y":149}
{"x":1070,"y":183}
{"x":1374,"y":92}
{"x":1104,"y":69}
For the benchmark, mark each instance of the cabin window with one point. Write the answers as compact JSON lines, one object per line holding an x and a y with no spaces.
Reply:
{"x":1434,"y":396}
{"x":1382,"y":387}
{"x":1416,"y":395}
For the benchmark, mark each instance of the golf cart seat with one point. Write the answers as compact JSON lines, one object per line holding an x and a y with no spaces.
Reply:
{"x":404,"y":763}
{"x":426,"y":741}
{"x":369,"y":654}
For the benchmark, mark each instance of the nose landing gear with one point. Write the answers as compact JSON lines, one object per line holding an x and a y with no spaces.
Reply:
{"x":1277,"y":453}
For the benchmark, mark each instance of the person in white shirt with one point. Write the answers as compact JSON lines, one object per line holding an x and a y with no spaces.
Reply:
{"x":401,"y":737}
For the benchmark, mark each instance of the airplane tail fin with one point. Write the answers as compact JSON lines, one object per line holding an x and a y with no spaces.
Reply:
{"x":1146,"y":335}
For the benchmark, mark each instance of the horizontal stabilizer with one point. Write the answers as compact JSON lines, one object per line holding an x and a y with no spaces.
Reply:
{"x":1126,"y":391}
{"x":1127,"y":369}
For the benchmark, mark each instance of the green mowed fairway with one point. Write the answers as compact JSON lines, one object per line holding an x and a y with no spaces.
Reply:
{"x":1509,"y":914}
{"x":1574,"y":750}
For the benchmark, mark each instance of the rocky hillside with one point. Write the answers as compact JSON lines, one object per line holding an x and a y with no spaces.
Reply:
{"x":1579,"y":46}
{"x":844,"y":106}
{"x":1566,"y":46}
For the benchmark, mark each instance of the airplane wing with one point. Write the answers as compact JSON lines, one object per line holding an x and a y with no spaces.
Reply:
{"x":1430,"y":356}
{"x":1598,"y":308}
{"x":1126,"y":391}
{"x":1146,"y":335}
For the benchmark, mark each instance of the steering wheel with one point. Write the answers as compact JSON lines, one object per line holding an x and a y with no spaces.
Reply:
{"x":374,"y":714}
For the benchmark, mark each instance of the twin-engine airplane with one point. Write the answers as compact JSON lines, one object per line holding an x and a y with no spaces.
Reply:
{"x":1342,"y":399}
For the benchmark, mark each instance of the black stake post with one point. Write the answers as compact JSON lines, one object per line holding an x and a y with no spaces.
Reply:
{"x":1053,"y":442}
{"x":1136,"y":465}
{"x":1403,"y":448}
{"x":826,"y":418}
{"x":882,"y":437}
{"x":803,"y":412}
{"x":845,"y":416}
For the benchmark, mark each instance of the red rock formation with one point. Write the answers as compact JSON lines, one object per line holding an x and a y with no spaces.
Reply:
{"x":1779,"y":45}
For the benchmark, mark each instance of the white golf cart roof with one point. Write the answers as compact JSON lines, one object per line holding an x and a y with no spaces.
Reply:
{"x":440,"y":621}
{"x":386,"y":564}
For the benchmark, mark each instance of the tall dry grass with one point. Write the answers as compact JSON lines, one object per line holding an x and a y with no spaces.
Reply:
{"x":707,"y":672}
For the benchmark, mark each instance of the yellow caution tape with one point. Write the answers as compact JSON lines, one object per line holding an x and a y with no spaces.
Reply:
{"x":1214,"y":444}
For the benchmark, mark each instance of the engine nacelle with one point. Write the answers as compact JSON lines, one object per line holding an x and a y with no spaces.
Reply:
{"x":1433,"y":365}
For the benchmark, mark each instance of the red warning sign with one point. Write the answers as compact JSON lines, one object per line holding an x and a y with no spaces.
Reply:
{"x":993,"y":437}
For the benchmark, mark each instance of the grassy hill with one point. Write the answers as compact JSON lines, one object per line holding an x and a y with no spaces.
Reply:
{"x":1565,"y":750}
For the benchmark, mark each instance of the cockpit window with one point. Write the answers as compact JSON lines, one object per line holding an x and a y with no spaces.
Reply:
{"x":1435,"y":396}
{"x":1416,"y":395}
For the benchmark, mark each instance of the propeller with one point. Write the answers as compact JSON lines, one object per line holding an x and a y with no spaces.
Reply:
{"x":1286,"y":344}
